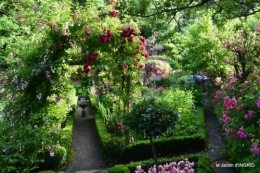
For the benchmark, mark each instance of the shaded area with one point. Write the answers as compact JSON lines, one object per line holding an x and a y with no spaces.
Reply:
{"x":87,"y":156}
{"x":215,"y":140}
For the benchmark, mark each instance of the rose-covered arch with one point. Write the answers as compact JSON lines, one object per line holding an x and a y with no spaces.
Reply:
{"x":39,"y":91}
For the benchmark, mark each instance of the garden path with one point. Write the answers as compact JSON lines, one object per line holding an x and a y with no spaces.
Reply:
{"x":88,"y":157}
{"x":215,"y":139}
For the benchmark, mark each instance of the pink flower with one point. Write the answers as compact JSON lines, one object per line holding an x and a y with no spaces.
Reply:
{"x":51,"y":153}
{"x":87,"y":30}
{"x":52,"y":26}
{"x":35,"y":126}
{"x":120,"y":126}
{"x":230,"y":71}
{"x":242,"y":133}
{"x":217,"y":80}
{"x":227,"y":44}
{"x":258,"y":103}
{"x":255,"y":149}
{"x":60,"y":46}
{"x":217,"y":96}
{"x":113,"y":13}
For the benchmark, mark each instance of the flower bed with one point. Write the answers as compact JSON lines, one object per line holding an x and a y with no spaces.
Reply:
{"x":202,"y":163}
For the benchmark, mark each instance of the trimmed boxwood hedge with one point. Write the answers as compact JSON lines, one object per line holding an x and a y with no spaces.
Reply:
{"x":115,"y":151}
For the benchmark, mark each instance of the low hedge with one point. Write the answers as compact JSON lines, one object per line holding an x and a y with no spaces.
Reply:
{"x":202,"y":162}
{"x":119,"y":169}
{"x":115,"y":150}
{"x":111,"y":147}
{"x":164,"y":147}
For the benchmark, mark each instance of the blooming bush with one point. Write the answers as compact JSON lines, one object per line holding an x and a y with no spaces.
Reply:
{"x":237,"y":104}
{"x":183,"y":166}
{"x":155,"y":70}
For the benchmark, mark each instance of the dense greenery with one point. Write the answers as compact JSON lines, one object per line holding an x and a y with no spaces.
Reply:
{"x":44,"y":44}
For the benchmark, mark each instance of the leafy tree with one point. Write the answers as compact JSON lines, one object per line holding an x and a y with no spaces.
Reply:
{"x":224,"y":9}
{"x":150,"y":117}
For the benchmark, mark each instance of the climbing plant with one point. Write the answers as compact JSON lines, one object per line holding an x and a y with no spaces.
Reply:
{"x":38,"y":90}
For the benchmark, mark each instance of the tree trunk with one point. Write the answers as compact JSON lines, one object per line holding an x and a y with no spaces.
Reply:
{"x":154,"y":155}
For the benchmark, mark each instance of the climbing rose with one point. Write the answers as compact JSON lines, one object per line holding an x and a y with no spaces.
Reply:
{"x":52,"y":25}
{"x":87,"y":30}
{"x":120,"y":126}
{"x":60,"y":46}
{"x":113,"y":13}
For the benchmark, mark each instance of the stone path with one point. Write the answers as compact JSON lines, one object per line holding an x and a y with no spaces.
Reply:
{"x":87,"y":158}
{"x":215,"y":140}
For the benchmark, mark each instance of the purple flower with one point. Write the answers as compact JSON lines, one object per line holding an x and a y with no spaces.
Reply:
{"x":255,"y":149}
{"x":258,"y":103}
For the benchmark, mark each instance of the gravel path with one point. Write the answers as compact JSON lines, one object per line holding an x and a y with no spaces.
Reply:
{"x":87,"y":158}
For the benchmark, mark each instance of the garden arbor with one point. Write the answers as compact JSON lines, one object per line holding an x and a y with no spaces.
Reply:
{"x":39,"y":92}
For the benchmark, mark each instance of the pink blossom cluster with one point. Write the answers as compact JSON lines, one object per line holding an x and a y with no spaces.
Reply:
{"x":249,"y":115}
{"x":105,"y":38}
{"x":90,"y":59}
{"x":120,"y":126}
{"x":240,"y":134}
{"x":217,"y":96}
{"x":87,"y":31}
{"x":231,"y":80}
{"x":255,"y":149}
{"x":230,"y":103}
{"x":258,"y":103}
{"x":183,"y":166}
{"x":128,"y":32}
{"x":51,"y":151}
{"x":113,"y":13}
{"x":225,"y":118}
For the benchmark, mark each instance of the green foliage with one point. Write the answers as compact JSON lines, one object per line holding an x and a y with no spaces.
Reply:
{"x":54,"y":162}
{"x":46,"y":172}
{"x":196,"y":93}
{"x":150,"y":117}
{"x":111,"y":146}
{"x":119,"y":169}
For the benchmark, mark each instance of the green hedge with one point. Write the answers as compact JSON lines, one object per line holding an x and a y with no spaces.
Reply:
{"x":202,"y":163}
{"x":119,"y":169}
{"x":62,"y":155}
{"x":111,"y":147}
{"x":164,"y":147}
{"x":114,"y":149}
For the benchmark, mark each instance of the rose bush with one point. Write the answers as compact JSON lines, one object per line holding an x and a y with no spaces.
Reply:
{"x":236,"y":103}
